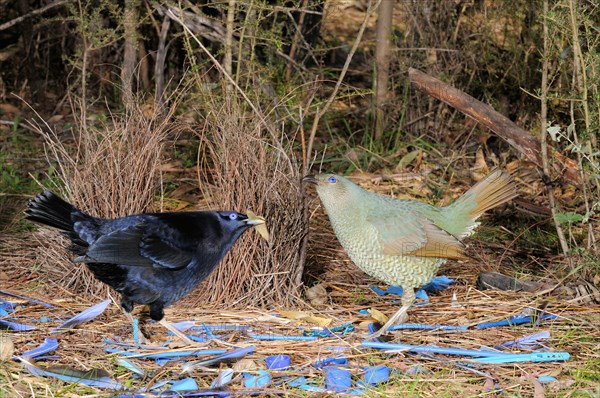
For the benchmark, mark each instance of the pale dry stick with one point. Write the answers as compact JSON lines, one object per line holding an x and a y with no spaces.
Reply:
{"x":295,"y":40}
{"x":543,"y":135}
{"x":215,"y":62}
{"x":320,"y":112}
{"x":580,"y":83}
{"x":228,"y":59}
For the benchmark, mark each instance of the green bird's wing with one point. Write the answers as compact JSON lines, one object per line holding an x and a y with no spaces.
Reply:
{"x":415,"y":235}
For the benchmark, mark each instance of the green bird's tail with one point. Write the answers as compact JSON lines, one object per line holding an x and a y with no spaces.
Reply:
{"x":497,"y":188}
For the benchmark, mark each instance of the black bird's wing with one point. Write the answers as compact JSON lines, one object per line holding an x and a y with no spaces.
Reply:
{"x":139,"y":245}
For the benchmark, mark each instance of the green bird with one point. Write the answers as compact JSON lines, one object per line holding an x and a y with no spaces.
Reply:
{"x":404,"y":242}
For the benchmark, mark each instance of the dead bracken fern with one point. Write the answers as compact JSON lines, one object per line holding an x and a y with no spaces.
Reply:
{"x":248,"y":164}
{"x":110,"y":170}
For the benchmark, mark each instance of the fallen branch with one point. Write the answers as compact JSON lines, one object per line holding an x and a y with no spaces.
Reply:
{"x":33,"y":13}
{"x":515,"y":136}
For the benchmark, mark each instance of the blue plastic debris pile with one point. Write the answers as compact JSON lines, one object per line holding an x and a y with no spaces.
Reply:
{"x":214,"y":368}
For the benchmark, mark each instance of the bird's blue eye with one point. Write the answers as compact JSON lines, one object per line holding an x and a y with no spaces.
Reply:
{"x":232,"y":216}
{"x":332,"y":179}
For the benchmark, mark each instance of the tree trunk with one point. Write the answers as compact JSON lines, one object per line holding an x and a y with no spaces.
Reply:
{"x":130,"y":51}
{"x":382,"y":63}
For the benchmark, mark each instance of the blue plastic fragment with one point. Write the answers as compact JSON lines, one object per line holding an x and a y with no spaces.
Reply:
{"x":252,"y":381}
{"x":188,"y":384}
{"x":196,"y":338}
{"x":312,"y":388}
{"x":397,"y":290}
{"x":176,"y":354}
{"x":73,"y":376}
{"x":330,"y":332}
{"x":531,"y":357}
{"x":6,"y":307}
{"x":83,"y":316}
{"x":136,"y":331}
{"x":47,"y":346}
{"x":546,"y":379}
{"x":528,"y":342}
{"x":131,"y":366}
{"x":422,"y":295}
{"x":437,"y":283}
{"x":183,"y":325}
{"x":26,"y":298}
{"x":297,"y":382}
{"x":236,"y":354}
{"x":375,"y":375}
{"x":208,"y":332}
{"x":515,"y":320}
{"x":222,"y":379}
{"x":337,"y":379}
{"x":275,"y":337}
{"x":364,"y":311}
{"x":45,"y":319}
{"x":337,"y":360}
{"x":425,"y":326}
{"x":277,"y":362}
{"x":431,"y":349}
{"x":19,"y":327}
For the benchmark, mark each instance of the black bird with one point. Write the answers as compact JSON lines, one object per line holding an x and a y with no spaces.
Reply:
{"x":154,"y":258}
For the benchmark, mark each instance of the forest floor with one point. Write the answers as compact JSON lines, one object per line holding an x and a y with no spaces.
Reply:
{"x":92,"y":350}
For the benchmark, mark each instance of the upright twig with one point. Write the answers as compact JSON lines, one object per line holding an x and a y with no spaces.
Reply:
{"x":543,"y":136}
{"x":320,"y":112}
{"x":228,"y":58}
{"x":295,"y":40}
{"x":579,"y":85}
{"x":159,"y":66}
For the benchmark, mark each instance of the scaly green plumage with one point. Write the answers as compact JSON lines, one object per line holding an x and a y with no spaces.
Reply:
{"x":404,"y":242}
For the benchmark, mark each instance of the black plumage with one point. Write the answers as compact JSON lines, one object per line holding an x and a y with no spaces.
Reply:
{"x":154,"y":258}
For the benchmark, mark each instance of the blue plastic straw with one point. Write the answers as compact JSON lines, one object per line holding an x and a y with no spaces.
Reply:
{"x":425,"y":326}
{"x":273,"y":337}
{"x":431,"y":349}
{"x":514,"y":320}
{"x":532,"y":357}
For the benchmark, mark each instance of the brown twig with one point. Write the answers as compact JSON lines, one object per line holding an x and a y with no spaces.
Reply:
{"x":320,"y":112}
{"x":33,"y":13}
{"x":543,"y":134}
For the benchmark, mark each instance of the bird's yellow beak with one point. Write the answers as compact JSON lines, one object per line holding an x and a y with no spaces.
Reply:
{"x":259,"y":223}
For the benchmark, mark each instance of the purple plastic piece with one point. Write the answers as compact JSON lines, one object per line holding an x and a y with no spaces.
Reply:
{"x":277,"y":362}
{"x":83,"y":316}
{"x":375,"y":375}
{"x":19,"y":327}
{"x":47,"y":346}
{"x":337,"y":379}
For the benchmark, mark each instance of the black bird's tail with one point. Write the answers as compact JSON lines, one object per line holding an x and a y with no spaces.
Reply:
{"x":48,"y":209}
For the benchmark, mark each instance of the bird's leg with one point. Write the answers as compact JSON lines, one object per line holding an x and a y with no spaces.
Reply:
{"x":401,"y":316}
{"x":176,"y":332}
